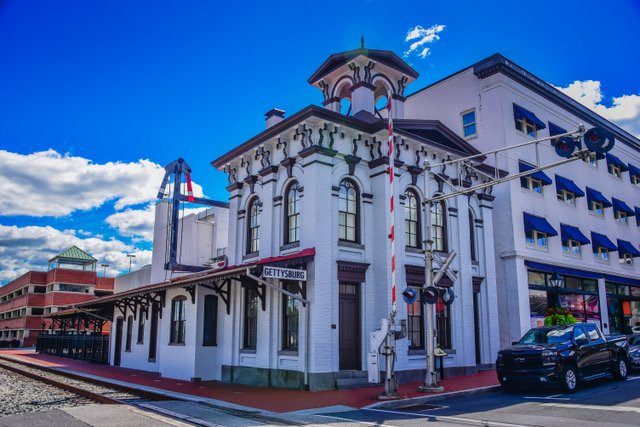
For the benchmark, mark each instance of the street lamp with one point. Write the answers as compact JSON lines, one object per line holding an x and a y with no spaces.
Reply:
{"x":131,"y":257}
{"x":104,"y":272}
{"x":556,"y":281}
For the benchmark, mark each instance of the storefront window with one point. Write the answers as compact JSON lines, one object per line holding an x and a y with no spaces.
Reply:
{"x":590,"y":285}
{"x":624,"y":308}
{"x":539,"y":305}
{"x":536,"y":278}
{"x":572,"y":283}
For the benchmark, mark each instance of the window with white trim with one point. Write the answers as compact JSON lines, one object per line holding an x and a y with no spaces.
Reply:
{"x":622,"y":217}
{"x":532,"y":184}
{"x":527,"y":127}
{"x":615,"y":171}
{"x":567,"y":197}
{"x":591,"y":160}
{"x":596,"y":208}
{"x":469,"y":127}
{"x":571,"y":247}
{"x":601,"y":254}
{"x":625,"y":259}
{"x":635,"y":180}
{"x":537,"y":239}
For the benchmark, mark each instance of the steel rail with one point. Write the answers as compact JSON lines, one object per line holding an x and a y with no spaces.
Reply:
{"x":126,"y":389}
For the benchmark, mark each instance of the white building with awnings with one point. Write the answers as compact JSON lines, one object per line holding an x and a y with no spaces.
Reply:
{"x":579,"y":222}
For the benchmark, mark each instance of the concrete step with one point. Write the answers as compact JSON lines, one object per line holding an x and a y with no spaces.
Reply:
{"x":349,"y":383}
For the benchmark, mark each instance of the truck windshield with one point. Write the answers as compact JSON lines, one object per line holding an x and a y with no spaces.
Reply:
{"x":546,"y":336}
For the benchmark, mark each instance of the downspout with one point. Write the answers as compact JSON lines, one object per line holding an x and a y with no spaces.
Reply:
{"x":307,"y":346}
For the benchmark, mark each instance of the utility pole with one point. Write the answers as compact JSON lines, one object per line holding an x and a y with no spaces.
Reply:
{"x":131,"y":257}
{"x":430,"y":379}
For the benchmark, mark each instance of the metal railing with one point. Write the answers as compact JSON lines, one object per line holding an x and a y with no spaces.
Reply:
{"x":91,"y":348}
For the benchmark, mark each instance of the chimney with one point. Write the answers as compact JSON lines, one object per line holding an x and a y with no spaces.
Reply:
{"x":273,"y":116}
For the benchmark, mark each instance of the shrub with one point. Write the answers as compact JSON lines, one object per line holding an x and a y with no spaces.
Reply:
{"x":559,"y":316}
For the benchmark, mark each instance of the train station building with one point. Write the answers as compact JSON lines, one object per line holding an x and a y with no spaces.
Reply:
{"x":310,"y":193}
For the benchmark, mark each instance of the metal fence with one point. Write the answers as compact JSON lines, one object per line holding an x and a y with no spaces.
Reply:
{"x":92,"y":348}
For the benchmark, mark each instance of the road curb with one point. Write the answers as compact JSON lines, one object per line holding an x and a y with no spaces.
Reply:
{"x":400,"y":403}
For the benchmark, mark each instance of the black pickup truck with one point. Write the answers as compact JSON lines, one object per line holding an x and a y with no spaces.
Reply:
{"x":562,"y":355}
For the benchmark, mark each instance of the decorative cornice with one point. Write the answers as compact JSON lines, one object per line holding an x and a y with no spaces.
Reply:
{"x":268,"y":170}
{"x":352,"y":161}
{"x":317,"y":149}
{"x":384,"y":160}
{"x":235,"y":186}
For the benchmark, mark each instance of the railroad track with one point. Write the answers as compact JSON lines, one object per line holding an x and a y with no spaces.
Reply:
{"x":108,"y":393}
{"x":90,"y":390}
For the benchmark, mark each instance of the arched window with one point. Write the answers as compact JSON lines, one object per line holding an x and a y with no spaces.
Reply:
{"x":253,"y":226}
{"x":348,"y":212}
{"x":292,"y":213}
{"x":141,"y":320}
{"x":178,"y":320}
{"x":412,"y":219}
{"x":129,"y":333}
{"x":472,"y":237}
{"x":439,"y":226}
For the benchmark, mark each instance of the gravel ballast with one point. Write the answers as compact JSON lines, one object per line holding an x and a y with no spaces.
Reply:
{"x":19,"y":394}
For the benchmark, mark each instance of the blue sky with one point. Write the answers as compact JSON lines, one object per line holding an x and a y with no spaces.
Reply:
{"x":121,"y":81}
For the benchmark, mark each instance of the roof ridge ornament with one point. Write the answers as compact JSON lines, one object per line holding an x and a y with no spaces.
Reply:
{"x":361,"y":42}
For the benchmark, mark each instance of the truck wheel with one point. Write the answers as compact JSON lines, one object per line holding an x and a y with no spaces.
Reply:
{"x":620,"y":369}
{"x":569,"y":379}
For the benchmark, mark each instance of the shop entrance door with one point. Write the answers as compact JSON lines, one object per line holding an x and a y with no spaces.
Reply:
{"x":118,"y":347}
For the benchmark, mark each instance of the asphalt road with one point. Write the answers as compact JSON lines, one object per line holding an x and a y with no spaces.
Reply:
{"x":597,"y":403}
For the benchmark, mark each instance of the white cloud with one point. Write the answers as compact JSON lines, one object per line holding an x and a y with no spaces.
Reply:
{"x":422,"y":37}
{"x":30,"y":247}
{"x":47,"y":183}
{"x":624,"y":109}
{"x":138,"y":223}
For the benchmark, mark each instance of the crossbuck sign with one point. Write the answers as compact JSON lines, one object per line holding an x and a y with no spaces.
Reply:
{"x":284,"y":273}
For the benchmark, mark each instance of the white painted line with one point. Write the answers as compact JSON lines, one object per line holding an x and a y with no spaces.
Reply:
{"x":547,"y":398}
{"x":447,"y":418}
{"x":594,"y":407}
{"x":366,"y":423}
{"x":178,"y":415}
{"x":633,"y":378}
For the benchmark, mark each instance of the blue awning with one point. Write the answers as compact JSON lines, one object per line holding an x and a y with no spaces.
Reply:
{"x":623,"y":280}
{"x":613,"y":160}
{"x":568,"y":232}
{"x":523,"y":167}
{"x":566,"y":184}
{"x":534,"y":222}
{"x":634,"y":171}
{"x":601,"y":241}
{"x":521,"y":113}
{"x":556,"y":130}
{"x":548,"y":268}
{"x":637,"y":215}
{"x":620,"y":206}
{"x":596,"y":196}
{"x":625,"y":247}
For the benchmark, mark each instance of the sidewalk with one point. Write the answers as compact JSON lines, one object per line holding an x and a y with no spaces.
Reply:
{"x":263,"y":398}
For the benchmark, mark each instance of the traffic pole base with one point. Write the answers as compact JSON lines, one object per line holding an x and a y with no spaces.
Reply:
{"x":389,"y":396}
{"x":425,"y":388}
